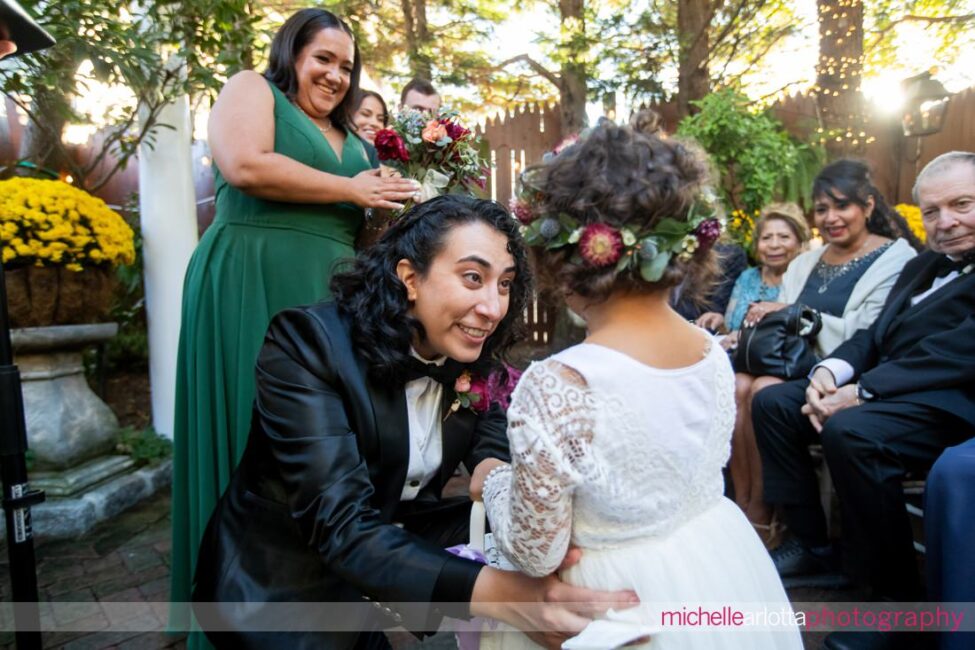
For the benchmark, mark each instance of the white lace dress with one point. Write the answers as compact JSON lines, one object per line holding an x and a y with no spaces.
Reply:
{"x":624,"y":461}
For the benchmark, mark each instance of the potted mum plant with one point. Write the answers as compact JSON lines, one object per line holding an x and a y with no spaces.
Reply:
{"x":60,"y":249}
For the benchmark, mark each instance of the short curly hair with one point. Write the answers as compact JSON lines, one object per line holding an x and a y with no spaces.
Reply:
{"x":624,"y":176}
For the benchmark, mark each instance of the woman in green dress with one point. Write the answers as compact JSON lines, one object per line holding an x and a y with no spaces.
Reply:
{"x":292,"y":181}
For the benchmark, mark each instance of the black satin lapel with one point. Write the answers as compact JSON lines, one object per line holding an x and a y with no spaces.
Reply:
{"x":392,"y":429}
{"x":897,"y":307}
{"x":455,"y":434}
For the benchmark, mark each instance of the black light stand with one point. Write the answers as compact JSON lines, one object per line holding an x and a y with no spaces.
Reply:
{"x":17,"y":495}
{"x":17,"y":26}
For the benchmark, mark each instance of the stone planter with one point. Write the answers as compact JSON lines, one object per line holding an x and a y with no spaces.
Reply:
{"x":67,"y":423}
{"x":49,"y":295}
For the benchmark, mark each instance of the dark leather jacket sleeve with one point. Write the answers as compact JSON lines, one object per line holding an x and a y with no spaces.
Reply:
{"x":304,"y":411}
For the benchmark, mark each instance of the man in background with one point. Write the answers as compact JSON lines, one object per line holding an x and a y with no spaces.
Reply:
{"x":419,"y":94}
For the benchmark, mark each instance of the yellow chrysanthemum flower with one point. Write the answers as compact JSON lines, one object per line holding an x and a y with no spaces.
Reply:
{"x":52,"y":223}
{"x":912,"y":215}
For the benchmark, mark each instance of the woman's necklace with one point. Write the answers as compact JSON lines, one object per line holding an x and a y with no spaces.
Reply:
{"x":323,"y":129}
{"x":829,"y":272}
{"x":853,"y":257}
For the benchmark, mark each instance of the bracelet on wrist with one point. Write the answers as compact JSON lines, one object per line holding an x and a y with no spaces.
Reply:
{"x":495,"y":472}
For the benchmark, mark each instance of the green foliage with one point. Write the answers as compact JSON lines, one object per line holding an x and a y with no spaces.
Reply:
{"x":145,"y":446}
{"x":752,"y":151}
{"x":452,"y":39}
{"x":797,"y":186}
{"x":948,"y":21}
{"x":159,"y":49}
{"x":642,"y":43}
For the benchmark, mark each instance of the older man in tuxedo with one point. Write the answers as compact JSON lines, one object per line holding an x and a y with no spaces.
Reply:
{"x":886,"y":402}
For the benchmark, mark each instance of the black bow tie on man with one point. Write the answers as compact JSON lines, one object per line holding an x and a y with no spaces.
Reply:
{"x":946,"y":265}
{"x":446,"y":374}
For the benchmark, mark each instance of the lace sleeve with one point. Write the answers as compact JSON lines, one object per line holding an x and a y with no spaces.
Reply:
{"x":529,"y":505}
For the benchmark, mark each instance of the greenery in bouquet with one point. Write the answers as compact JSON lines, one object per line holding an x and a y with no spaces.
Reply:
{"x":912,"y":215}
{"x":51,"y":223}
{"x":437,"y":151}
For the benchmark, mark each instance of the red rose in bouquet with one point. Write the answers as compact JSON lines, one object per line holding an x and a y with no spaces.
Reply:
{"x":389,"y":146}
{"x":454,"y":130}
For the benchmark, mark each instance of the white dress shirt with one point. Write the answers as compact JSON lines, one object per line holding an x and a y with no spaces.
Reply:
{"x":842,"y":371}
{"x":423,"y":399}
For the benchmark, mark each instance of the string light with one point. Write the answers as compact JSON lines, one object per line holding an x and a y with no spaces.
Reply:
{"x":838,"y":74}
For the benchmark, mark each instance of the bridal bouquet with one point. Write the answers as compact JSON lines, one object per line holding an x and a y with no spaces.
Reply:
{"x":437,"y":151}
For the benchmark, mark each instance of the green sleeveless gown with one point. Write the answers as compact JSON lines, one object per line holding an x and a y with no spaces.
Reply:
{"x":257,"y":258}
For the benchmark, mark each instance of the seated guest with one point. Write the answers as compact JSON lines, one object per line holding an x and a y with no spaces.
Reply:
{"x":369,"y":114}
{"x":356,"y":428}
{"x":949,"y":533}
{"x":420,"y":95}
{"x":846,"y":282}
{"x":886,"y":402}
{"x":781,"y":233}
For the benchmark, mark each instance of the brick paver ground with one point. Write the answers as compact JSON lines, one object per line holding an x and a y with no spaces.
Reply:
{"x":127,"y":559}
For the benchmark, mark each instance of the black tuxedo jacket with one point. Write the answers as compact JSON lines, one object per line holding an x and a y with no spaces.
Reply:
{"x":309,"y":513}
{"x":924,"y":353}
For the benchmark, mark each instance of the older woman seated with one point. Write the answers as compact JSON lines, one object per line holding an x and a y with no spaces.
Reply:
{"x":846,"y":282}
{"x":781,"y":233}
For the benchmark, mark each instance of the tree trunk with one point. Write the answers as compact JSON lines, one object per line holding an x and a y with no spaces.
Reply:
{"x":693,"y":80}
{"x":573,"y":80}
{"x":50,"y":108}
{"x":41,"y":143}
{"x":417,"y":37}
{"x":838,"y":75}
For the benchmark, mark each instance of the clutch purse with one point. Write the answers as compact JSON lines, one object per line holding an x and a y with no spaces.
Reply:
{"x":783,"y":344}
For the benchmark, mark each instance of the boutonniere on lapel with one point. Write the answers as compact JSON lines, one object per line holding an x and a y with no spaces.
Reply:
{"x":478,"y":393}
{"x":466,"y":396}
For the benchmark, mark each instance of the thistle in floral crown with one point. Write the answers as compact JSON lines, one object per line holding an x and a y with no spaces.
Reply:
{"x":439,"y":152}
{"x":601,"y":245}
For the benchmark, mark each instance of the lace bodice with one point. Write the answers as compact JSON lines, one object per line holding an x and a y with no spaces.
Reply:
{"x":606,"y":450}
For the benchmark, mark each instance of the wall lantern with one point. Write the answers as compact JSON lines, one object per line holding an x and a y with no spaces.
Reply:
{"x":925,"y":105}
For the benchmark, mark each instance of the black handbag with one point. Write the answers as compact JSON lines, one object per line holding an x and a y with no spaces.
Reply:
{"x":783,"y":344}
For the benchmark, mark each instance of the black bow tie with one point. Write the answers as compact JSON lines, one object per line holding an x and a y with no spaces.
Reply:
{"x":446,"y":374}
{"x":946,"y":266}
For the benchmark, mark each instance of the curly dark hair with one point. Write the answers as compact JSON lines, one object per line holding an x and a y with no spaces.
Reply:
{"x":849,"y":180}
{"x":288,"y":42}
{"x":632,"y":176}
{"x":371,"y":294}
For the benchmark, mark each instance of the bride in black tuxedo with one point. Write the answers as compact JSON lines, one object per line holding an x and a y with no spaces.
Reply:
{"x":356,"y":428}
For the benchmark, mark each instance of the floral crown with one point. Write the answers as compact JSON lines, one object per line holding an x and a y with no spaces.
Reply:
{"x":601,"y":245}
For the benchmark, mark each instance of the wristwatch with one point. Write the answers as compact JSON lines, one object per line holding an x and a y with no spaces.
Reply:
{"x":863,"y":395}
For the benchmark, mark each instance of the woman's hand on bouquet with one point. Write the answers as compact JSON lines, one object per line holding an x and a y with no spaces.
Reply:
{"x":480,"y":474}
{"x":759,"y":310}
{"x":386,"y":171}
{"x":369,"y":189}
{"x":712,"y":321}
